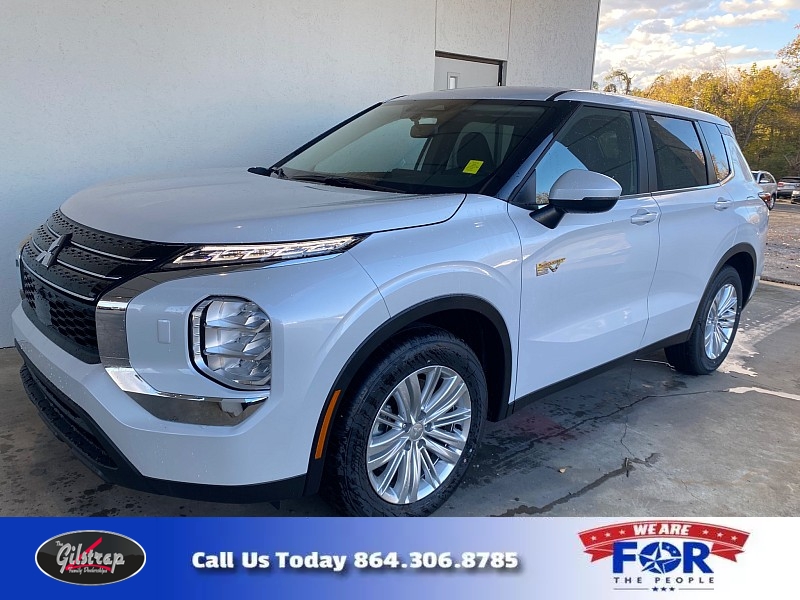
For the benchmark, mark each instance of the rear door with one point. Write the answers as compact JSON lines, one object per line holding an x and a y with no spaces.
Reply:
{"x":688,"y":163}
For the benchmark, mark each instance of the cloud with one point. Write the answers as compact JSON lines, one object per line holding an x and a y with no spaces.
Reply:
{"x":656,"y":26}
{"x":688,"y":36}
{"x":688,"y":15}
{"x":714,"y":22}
{"x":645,"y":55}
{"x":696,"y":26}
{"x":618,"y":17}
{"x":744,"y":6}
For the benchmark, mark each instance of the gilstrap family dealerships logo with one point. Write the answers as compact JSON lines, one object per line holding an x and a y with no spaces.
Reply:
{"x":663,"y":556}
{"x":90,"y":557}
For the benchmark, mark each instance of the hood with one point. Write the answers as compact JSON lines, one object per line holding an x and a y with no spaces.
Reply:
{"x":228,"y":206}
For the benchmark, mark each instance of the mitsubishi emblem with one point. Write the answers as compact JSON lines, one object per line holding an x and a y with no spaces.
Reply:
{"x":48,"y":257}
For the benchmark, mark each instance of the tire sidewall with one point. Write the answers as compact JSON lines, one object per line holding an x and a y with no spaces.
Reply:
{"x":416,"y":353}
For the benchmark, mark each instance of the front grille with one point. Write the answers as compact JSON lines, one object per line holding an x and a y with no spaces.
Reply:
{"x":71,"y":319}
{"x":61,"y":298}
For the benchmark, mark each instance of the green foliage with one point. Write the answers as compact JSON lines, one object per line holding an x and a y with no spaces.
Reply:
{"x":762,"y":106}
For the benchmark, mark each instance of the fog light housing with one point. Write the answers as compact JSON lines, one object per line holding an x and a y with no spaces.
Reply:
{"x":232,"y":342}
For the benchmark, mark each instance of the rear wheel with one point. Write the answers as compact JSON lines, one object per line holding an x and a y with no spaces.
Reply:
{"x":771,"y":203}
{"x":714,"y":329}
{"x":405,"y":439}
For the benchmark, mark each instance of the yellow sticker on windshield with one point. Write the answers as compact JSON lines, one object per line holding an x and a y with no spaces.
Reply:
{"x":473,"y":167}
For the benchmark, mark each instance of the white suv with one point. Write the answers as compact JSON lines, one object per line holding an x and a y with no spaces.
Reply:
{"x":348,"y":319}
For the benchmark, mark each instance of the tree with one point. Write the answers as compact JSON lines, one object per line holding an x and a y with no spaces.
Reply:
{"x":790,"y":54}
{"x":762,"y":106}
{"x":618,"y":79}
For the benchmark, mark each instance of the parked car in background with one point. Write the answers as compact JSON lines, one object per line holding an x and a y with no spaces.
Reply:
{"x":788,"y":184}
{"x":768,"y":186}
{"x":796,"y":197}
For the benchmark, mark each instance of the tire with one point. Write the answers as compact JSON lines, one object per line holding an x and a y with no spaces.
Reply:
{"x":714,"y":328}
{"x":395,"y":451}
{"x":772,"y":200}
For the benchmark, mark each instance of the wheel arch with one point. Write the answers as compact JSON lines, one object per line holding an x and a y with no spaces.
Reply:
{"x":470,"y":318}
{"x":741,"y":257}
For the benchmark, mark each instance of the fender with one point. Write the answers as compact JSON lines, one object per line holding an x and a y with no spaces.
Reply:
{"x":502,"y":389}
{"x":747,"y":286}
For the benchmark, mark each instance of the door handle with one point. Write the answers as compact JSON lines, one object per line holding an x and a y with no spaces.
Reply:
{"x":643,"y":216}
{"x":722,"y":203}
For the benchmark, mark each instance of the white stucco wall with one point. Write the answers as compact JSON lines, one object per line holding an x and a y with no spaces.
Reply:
{"x":474,"y":27}
{"x":552,"y":43}
{"x":97,"y":89}
{"x":545,"y":42}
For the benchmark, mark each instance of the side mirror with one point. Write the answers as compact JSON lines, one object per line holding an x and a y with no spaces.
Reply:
{"x":578,"y":191}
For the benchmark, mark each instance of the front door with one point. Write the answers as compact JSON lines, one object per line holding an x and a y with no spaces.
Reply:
{"x":585,"y":283}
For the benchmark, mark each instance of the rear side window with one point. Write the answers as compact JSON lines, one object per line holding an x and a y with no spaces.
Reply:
{"x":680,"y":162}
{"x":739,"y":161}
{"x":719,"y":157}
{"x":595,"y":139}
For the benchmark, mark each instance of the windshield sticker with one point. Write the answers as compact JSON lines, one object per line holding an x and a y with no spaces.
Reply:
{"x":473,"y":167}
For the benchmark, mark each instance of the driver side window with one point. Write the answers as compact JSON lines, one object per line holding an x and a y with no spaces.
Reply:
{"x":594,"y":139}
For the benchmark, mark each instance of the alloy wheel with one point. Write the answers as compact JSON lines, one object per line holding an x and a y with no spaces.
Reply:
{"x":721,"y":321}
{"x":418,"y":434}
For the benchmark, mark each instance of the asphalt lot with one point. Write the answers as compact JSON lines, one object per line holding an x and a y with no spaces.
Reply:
{"x":640,"y":440}
{"x":782,"y":255}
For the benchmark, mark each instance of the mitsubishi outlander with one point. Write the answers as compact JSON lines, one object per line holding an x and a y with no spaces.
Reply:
{"x":346,"y":320}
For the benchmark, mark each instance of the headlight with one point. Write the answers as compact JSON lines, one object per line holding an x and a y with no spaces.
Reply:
{"x":232,"y":342}
{"x":238,"y":253}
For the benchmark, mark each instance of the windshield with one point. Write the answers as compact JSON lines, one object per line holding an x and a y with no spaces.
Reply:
{"x":427,"y":146}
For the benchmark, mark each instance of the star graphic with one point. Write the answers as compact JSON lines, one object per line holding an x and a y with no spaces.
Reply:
{"x":655,"y":589}
{"x":705,"y":531}
{"x":594,"y":538}
{"x":719,"y":535}
{"x":659,"y":557}
{"x":608,"y":534}
{"x":734,"y":538}
{"x":663,"y":589}
{"x":672,"y":589}
{"x":622,"y":532}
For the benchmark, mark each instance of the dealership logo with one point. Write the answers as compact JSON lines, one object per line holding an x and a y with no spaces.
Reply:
{"x":663,"y":556}
{"x":90,"y":557}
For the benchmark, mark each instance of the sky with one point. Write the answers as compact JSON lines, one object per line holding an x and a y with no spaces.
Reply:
{"x":650,"y":37}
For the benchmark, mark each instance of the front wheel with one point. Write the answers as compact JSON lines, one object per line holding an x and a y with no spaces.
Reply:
{"x":405,"y":438}
{"x":771,"y":203}
{"x":713,"y":331}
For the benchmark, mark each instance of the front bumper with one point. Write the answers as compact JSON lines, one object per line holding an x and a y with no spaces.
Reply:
{"x":73,"y":426}
{"x":124,"y":443}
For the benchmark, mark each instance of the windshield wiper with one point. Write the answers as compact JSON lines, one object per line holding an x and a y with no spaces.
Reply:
{"x":339,"y":181}
{"x":266,"y":172}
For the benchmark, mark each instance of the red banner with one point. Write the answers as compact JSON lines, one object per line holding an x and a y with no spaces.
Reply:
{"x":725,"y":542}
